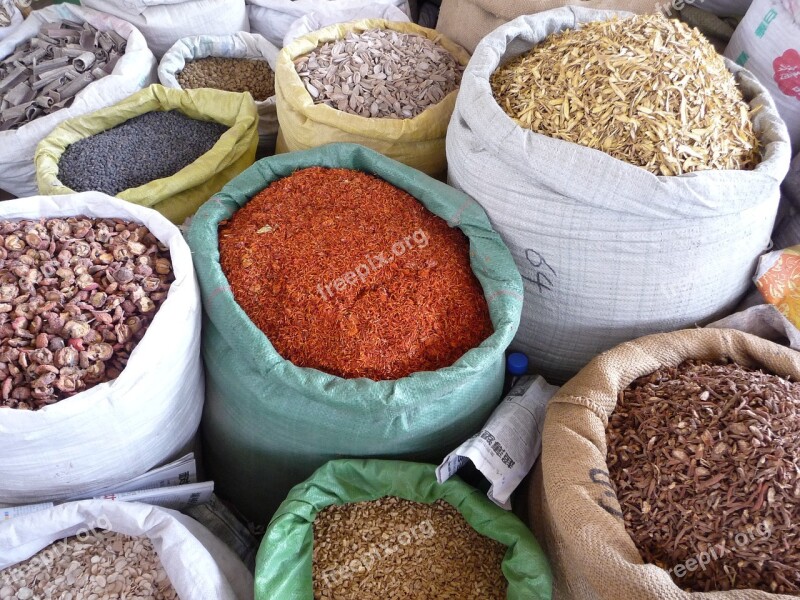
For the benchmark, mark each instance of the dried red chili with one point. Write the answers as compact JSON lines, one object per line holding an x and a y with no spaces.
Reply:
{"x":350,"y":275}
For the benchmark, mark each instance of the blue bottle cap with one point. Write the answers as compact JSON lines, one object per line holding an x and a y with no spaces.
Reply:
{"x":517,"y":363}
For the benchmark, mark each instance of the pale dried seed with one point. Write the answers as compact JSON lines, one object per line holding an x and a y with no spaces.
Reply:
{"x":396,"y":549}
{"x":97,"y":564}
{"x":376,"y":69}
{"x":646,"y":90}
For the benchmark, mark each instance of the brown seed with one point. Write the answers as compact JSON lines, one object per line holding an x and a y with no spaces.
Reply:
{"x":742,"y":493}
{"x":392,"y":549}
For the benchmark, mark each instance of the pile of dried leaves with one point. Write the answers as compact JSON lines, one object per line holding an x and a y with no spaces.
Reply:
{"x":646,"y":90}
{"x":704,"y":458}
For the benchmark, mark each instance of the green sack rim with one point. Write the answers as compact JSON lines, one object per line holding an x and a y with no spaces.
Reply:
{"x":490,"y":260}
{"x":284,"y":560}
{"x":203,"y":104}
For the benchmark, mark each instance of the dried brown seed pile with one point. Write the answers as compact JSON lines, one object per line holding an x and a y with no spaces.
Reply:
{"x":230,"y":74}
{"x":45,"y":73}
{"x":97,"y":565}
{"x":646,"y":90}
{"x":393,"y":549}
{"x":704,"y":458}
{"x":380,"y":73}
{"x":76,"y":296}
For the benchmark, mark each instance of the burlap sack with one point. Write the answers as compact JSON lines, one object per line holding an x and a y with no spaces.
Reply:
{"x":467,"y":21}
{"x":591,"y":554}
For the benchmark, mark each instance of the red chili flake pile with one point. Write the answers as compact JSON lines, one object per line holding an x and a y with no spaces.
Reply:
{"x":350,"y":275}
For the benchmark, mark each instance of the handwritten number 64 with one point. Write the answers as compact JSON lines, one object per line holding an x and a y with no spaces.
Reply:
{"x":541,"y":277}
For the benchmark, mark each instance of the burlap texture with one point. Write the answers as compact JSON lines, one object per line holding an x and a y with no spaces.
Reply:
{"x":572,"y":502}
{"x":466,"y":22}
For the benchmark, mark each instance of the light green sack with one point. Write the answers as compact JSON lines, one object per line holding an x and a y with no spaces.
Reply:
{"x":176,"y":197}
{"x":269,"y":424}
{"x":283,"y":564}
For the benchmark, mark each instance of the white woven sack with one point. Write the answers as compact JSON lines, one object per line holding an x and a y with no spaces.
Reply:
{"x":164,"y":22}
{"x":330,"y":14}
{"x":135,"y":70}
{"x":273,"y":18}
{"x":16,"y":18}
{"x":119,"y":429}
{"x":608,"y":251}
{"x":767,"y":42}
{"x":199,"y":566}
{"x":237,"y":45}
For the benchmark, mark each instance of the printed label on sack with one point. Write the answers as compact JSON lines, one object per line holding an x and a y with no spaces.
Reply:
{"x":787,"y":72}
{"x":768,"y":18}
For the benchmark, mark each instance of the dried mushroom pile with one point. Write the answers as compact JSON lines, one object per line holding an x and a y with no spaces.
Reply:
{"x":45,"y":73}
{"x":101,"y":565}
{"x":646,"y":90}
{"x":704,"y":460}
{"x":230,"y":74}
{"x":393,"y":549}
{"x":76,"y":297}
{"x":380,"y":73}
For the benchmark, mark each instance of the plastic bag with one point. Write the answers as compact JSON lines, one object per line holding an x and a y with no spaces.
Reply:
{"x":119,"y":429}
{"x":237,"y":45}
{"x":274,"y":18}
{"x":176,"y":197}
{"x":331,"y":14}
{"x":283,"y":564}
{"x":164,"y":22}
{"x":269,"y":424}
{"x":418,"y":142}
{"x":198,"y":565}
{"x":134,"y":71}
{"x":767,"y":43}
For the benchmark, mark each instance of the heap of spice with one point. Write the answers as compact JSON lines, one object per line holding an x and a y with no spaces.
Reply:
{"x":95,"y":564}
{"x":646,"y":90}
{"x":393,"y":549}
{"x":350,"y":275}
{"x":147,"y":147}
{"x":704,"y":458}
{"x":230,"y":74}
{"x":76,"y":297}
{"x":380,"y":73}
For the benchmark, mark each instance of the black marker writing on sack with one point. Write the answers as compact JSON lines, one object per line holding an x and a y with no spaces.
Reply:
{"x":602,"y":478}
{"x":541,"y":269}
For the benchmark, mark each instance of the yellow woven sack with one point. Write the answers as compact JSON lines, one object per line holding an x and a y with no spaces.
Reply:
{"x":418,"y":142}
{"x":180,"y":195}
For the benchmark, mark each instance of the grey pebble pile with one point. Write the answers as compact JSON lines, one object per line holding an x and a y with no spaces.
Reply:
{"x":145,"y":148}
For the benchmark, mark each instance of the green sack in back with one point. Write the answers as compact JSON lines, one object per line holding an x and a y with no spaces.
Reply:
{"x":269,"y":424}
{"x":176,"y":197}
{"x":283,"y":564}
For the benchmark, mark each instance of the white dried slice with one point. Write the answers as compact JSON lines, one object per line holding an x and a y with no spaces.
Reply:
{"x":379,"y":71}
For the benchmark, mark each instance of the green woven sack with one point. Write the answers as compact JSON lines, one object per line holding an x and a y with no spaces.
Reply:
{"x":283,"y":564}
{"x":269,"y":424}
